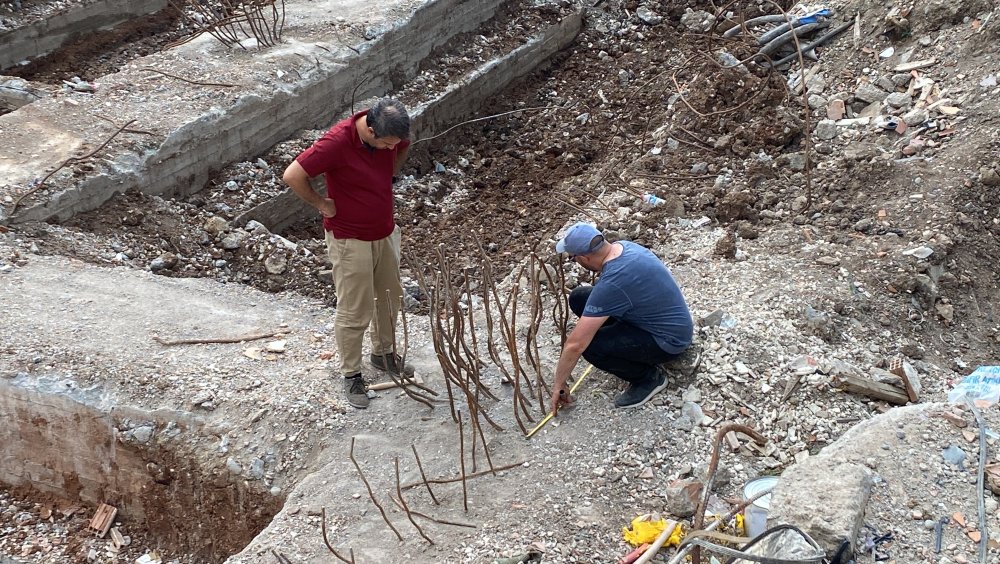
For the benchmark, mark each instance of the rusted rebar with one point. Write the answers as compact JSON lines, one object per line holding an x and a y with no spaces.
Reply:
{"x":467,"y":476}
{"x":69,"y":161}
{"x":434,"y":519}
{"x":406,"y":508}
{"x":461,"y":462}
{"x":423,"y":476}
{"x":329,"y":545}
{"x":371,"y":494}
{"x":713,"y":465}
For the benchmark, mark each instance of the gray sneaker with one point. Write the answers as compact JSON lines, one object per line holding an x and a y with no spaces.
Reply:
{"x":356,"y":391}
{"x":640,"y":392}
{"x":391,"y":363}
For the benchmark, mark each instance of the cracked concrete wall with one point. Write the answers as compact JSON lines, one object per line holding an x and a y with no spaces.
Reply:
{"x":49,"y":34}
{"x":184,"y":162}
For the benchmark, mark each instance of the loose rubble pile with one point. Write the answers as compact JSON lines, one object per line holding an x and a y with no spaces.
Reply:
{"x":812,"y":251}
{"x":57,"y":531}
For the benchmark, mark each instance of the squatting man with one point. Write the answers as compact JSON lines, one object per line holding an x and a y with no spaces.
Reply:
{"x":359,"y":157}
{"x":630,"y":322}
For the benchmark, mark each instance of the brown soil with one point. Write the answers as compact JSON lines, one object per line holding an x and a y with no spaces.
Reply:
{"x":105,"y":52}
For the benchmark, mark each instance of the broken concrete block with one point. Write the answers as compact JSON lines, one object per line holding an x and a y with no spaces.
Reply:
{"x":869,"y":93}
{"x":827,"y":502}
{"x":898,"y":100}
{"x":682,"y":497}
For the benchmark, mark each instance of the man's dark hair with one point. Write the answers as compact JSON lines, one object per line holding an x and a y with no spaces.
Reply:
{"x":388,"y":118}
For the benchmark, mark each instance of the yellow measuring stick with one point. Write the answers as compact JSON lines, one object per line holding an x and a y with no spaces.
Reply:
{"x":552,"y":414}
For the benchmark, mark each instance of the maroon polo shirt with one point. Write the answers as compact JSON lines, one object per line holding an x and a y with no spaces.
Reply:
{"x":358,"y":180}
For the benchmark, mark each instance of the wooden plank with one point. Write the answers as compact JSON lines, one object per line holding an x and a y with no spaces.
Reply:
{"x":103,"y":519}
{"x":866,"y":387}
{"x":416,"y":379}
{"x":913,"y":65}
{"x":900,"y":368}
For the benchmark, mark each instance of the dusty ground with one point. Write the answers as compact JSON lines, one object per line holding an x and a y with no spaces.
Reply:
{"x":830,"y":281}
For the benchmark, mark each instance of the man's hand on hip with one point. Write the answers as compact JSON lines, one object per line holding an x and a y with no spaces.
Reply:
{"x":327,"y":207}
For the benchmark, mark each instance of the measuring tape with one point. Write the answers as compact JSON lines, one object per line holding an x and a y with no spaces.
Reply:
{"x":552,"y":414}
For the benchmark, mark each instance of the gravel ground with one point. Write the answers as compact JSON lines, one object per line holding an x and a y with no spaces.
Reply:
{"x":787,"y":301}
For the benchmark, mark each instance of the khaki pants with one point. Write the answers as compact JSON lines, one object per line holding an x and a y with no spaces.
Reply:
{"x":365,"y":273}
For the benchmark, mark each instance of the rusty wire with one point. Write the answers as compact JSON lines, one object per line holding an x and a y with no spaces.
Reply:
{"x":713,"y":465}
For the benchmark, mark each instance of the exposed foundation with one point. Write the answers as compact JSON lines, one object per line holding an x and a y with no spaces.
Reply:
{"x":76,"y":445}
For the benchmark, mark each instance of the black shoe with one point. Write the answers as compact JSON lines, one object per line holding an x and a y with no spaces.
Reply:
{"x":391,"y":363}
{"x":641,"y":392}
{"x":356,"y":391}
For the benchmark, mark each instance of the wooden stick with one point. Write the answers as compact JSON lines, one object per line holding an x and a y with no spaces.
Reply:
{"x":253,"y":337}
{"x":870,"y":388}
{"x":406,"y":381}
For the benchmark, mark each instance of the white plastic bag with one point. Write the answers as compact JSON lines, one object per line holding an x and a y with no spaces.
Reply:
{"x":982,"y":387}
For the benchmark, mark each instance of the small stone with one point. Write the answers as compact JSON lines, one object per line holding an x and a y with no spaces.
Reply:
{"x":233,"y":466}
{"x":166,"y":261}
{"x":234,"y":240}
{"x":647,"y":16}
{"x":828,"y":261}
{"x":869,"y":93}
{"x":899,"y":100}
{"x":989,"y":176}
{"x":915,"y":116}
{"x":276,"y":263}
{"x":826,"y":129}
{"x":835,"y":110}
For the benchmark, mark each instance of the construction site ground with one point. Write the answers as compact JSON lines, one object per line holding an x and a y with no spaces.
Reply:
{"x":803,"y":258}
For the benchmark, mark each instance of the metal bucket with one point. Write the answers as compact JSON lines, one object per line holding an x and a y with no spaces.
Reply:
{"x":755,"y":514}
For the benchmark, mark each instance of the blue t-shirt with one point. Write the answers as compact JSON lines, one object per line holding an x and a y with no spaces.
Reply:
{"x":637,"y":288}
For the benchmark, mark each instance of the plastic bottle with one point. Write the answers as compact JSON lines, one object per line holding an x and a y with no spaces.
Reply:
{"x":652,"y":200}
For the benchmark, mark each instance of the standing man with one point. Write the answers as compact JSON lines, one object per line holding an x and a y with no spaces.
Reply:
{"x":359,"y":156}
{"x":631,"y":321}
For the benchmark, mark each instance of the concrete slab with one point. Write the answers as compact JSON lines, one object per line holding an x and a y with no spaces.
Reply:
{"x":230,"y":103}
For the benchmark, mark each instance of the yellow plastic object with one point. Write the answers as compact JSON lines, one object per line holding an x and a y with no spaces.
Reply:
{"x":552,"y":413}
{"x":644,"y":530}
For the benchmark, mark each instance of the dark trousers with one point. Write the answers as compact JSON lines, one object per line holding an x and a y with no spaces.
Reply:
{"x":620,"y":348}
